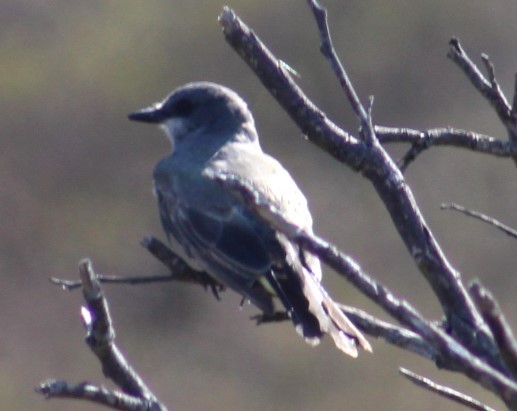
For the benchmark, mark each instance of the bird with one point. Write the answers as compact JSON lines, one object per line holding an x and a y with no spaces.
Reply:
{"x":212,"y":132}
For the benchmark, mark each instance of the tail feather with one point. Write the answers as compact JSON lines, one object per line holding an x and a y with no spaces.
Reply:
{"x":288,"y":290}
{"x":313,"y":311}
{"x":345,"y":334}
{"x":332,"y":320}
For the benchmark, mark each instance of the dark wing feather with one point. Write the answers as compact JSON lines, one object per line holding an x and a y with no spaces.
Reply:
{"x":234,"y":237}
{"x":228,"y":246}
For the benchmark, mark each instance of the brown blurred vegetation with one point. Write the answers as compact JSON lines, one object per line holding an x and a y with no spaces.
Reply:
{"x":75,"y":182}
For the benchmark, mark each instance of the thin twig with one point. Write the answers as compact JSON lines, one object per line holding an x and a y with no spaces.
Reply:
{"x":411,"y":155}
{"x":179,"y":271}
{"x":497,"y":322}
{"x":444,"y":391}
{"x":70,"y":285}
{"x":485,"y":87}
{"x":327,"y":49}
{"x":449,"y":137}
{"x":95,"y":394}
{"x":392,"y":334}
{"x":488,"y":88}
{"x":494,"y":84}
{"x":480,"y":216}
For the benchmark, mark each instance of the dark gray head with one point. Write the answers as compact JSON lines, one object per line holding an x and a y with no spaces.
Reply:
{"x":197,"y":108}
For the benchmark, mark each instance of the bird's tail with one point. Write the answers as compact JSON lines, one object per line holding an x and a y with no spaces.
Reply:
{"x":313,"y":311}
{"x":331,"y":318}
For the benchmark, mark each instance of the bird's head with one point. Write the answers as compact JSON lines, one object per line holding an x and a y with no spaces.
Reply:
{"x":200,"y":109}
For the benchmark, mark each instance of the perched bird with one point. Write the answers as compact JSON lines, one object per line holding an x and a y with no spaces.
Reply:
{"x":212,"y":131}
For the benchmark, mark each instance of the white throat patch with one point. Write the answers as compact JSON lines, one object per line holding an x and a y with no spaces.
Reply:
{"x":174,"y":127}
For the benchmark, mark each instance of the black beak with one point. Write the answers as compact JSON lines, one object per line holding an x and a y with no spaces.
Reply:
{"x":151,"y":114}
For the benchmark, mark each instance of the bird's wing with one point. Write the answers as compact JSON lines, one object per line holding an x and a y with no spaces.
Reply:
{"x":230,"y":238}
{"x":224,"y":242}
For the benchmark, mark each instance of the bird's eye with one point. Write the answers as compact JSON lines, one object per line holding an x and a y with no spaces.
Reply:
{"x":183,"y":108}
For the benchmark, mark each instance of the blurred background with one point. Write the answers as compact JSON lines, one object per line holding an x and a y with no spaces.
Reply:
{"x":75,"y":182}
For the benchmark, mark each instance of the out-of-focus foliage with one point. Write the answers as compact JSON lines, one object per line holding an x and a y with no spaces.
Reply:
{"x":75,"y":182}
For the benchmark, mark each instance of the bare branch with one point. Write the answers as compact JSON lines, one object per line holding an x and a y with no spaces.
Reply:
{"x":492,"y":93}
{"x":496,"y":320}
{"x":375,"y":164}
{"x":494,"y":85}
{"x":180,"y":271}
{"x":488,"y":88}
{"x":480,"y":216}
{"x":100,"y":337}
{"x":312,"y":121}
{"x":70,"y":285}
{"x":98,"y":395}
{"x":469,"y":140}
{"x":444,"y":391}
{"x":411,"y":155}
{"x":327,"y":49}
{"x":392,"y":334}
{"x":422,"y":140}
